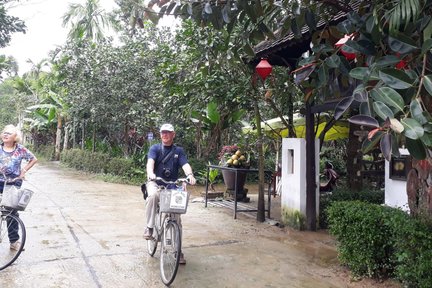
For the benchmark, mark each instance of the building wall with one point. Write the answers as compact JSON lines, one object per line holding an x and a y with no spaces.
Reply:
{"x":395,"y":190}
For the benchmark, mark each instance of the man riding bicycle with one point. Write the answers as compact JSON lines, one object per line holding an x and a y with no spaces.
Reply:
{"x":164,"y":160}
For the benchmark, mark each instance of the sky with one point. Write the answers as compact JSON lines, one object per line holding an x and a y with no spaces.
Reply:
{"x":43,"y":19}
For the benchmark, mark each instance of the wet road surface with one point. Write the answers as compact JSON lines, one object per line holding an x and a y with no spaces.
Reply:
{"x":83,"y":232}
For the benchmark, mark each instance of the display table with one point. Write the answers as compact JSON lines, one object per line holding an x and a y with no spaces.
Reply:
{"x":268,"y":175}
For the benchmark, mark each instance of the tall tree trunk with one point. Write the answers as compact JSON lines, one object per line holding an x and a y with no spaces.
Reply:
{"x":419,"y":189}
{"x":83,"y":134}
{"x":58,"y":139}
{"x":354,"y":158}
{"x":94,"y":139}
{"x":74,"y":124}
{"x":66,"y":136}
{"x":261,"y":204}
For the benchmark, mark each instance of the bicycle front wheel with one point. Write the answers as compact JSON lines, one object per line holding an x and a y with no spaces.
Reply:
{"x":170,"y":252}
{"x":152,"y":243}
{"x":9,"y":254}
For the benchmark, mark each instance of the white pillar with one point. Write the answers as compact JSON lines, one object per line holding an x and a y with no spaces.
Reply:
{"x":293,"y":199}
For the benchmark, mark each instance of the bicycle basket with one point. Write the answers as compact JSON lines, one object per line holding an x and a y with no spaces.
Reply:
{"x":15,"y":198}
{"x":173,"y":201}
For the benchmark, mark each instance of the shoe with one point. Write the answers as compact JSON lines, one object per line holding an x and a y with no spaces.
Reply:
{"x":148,"y":233}
{"x":182,"y":260}
{"x":15,"y":246}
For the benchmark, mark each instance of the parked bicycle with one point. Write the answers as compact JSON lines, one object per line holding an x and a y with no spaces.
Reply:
{"x":13,"y":199}
{"x":172,"y":202}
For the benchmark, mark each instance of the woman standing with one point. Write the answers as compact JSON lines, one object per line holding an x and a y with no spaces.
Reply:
{"x":11,"y":155}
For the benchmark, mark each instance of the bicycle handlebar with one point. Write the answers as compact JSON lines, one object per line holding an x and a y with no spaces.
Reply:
{"x":8,"y":179}
{"x":178,"y":181}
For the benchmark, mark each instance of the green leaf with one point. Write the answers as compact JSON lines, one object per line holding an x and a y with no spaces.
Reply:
{"x":382,"y":110}
{"x":256,"y":34}
{"x":427,"y":81}
{"x":225,"y":13}
{"x":389,"y":60}
{"x":417,"y":112}
{"x":395,"y":146}
{"x":427,"y":45}
{"x":402,"y":44}
{"x":364,"y":120}
{"x":370,"y":144}
{"x":208,"y":8}
{"x":311,"y":20}
{"x":416,"y":148}
{"x":386,"y":146}
{"x":294,"y":28}
{"x":342,"y":106}
{"x":364,"y":109}
{"x":413,"y":129}
{"x":248,"y":49}
{"x":333,"y":61}
{"x":427,"y":139}
{"x":360,"y":94}
{"x":266,"y":31}
{"x":388,"y":96}
{"x":428,"y":128}
{"x":361,"y":46}
{"x":395,"y":78}
{"x":359,"y":73}
{"x":322,"y":76}
{"x":212,"y":112}
{"x":427,"y":31}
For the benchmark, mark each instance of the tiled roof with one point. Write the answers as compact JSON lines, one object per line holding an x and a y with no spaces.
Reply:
{"x":269,"y":47}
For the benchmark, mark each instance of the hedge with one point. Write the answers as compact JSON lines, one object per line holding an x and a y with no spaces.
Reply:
{"x":379,"y":241}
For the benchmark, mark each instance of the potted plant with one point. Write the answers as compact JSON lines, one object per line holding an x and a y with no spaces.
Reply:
{"x":234,"y":157}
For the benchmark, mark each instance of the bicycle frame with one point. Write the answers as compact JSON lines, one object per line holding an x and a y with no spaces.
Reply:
{"x":10,"y":224}
{"x":168,"y":232}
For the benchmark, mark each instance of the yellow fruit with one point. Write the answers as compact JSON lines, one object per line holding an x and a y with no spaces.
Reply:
{"x":238,"y":153}
{"x":230,"y":161}
{"x":242,"y":158}
{"x":234,"y":157}
{"x":236,"y":162}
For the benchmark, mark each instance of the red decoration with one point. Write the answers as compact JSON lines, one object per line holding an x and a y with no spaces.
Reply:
{"x":263,"y":69}
{"x":401,"y":64}
{"x":341,"y":43}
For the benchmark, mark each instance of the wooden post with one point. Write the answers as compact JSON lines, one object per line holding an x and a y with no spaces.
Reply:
{"x":310,"y":170}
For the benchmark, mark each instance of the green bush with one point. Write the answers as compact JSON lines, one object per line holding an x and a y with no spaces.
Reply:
{"x":364,"y":242}
{"x":46,"y":152}
{"x":120,"y":166}
{"x":97,"y":162}
{"x":379,"y":241}
{"x":413,"y":249}
{"x":373,"y":196}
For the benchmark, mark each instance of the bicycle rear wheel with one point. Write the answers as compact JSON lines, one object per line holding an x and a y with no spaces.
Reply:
{"x":170,"y":252}
{"x":8,"y":255}
{"x":152,"y":243}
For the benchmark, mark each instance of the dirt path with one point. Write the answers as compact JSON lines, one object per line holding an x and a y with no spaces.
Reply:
{"x":83,"y":232}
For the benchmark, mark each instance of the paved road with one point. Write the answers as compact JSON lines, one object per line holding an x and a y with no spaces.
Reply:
{"x":83,"y":232}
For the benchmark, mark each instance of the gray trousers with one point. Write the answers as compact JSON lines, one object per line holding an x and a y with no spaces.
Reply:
{"x":152,"y":203}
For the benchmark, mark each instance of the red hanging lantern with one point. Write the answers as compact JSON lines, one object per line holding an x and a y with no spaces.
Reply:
{"x":341,"y":43}
{"x":263,"y":69}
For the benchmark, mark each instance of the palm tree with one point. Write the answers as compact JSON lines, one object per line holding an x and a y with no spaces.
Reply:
{"x":87,"y":21}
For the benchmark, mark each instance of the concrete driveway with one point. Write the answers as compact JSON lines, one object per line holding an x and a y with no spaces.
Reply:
{"x":83,"y":232}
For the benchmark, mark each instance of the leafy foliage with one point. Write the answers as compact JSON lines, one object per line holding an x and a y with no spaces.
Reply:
{"x":8,"y":25}
{"x":381,"y":241}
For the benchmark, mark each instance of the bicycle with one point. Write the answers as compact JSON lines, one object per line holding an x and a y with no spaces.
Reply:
{"x":13,"y":199}
{"x":172,"y":202}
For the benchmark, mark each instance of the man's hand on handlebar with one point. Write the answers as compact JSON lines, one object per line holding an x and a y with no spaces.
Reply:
{"x":151,"y":176}
{"x":191,"y":179}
